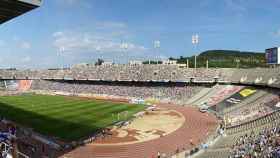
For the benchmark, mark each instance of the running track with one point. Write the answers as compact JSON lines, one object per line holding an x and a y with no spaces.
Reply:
{"x":196,"y":127}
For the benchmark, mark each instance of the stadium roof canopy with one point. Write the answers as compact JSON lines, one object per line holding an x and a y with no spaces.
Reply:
{"x":10,"y":9}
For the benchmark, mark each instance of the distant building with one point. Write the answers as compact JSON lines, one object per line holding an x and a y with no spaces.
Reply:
{"x":135,"y":62}
{"x":169,"y":62}
{"x":182,"y":65}
{"x":272,"y":56}
{"x":173,"y":62}
{"x":107,"y":63}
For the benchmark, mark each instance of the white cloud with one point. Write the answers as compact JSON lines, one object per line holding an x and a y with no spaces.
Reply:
{"x":77,"y":42}
{"x":57,"y":34}
{"x":111,"y":25}
{"x":25,"y":45}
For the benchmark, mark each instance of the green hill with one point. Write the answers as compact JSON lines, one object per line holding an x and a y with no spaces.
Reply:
{"x":226,"y":59}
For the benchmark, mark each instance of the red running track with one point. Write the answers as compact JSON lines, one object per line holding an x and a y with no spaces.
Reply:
{"x":197,"y":127}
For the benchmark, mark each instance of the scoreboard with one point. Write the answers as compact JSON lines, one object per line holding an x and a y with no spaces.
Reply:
{"x":272,"y":55}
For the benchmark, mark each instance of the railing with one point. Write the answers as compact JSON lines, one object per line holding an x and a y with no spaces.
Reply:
{"x":7,"y":150}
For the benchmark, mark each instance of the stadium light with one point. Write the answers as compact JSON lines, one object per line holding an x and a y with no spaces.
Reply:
{"x":157,"y":45}
{"x":237,"y":62}
{"x":98,"y":50}
{"x":195,"y":42}
{"x":124,"y":46}
{"x":61,"y":51}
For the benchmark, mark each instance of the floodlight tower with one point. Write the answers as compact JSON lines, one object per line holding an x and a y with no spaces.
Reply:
{"x":124,"y":46}
{"x":157,"y":47}
{"x":237,"y":62}
{"x":195,"y":42}
{"x":98,"y":49}
{"x":61,"y":51}
{"x":126,"y":52}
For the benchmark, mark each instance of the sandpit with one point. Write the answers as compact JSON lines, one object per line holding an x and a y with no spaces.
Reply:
{"x":152,"y":125}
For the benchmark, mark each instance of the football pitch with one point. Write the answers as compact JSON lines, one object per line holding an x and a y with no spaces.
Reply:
{"x":66,"y":118}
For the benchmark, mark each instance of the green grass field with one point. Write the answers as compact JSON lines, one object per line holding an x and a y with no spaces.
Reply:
{"x":67,"y":118}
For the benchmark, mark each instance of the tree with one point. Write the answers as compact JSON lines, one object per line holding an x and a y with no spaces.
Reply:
{"x":99,"y":62}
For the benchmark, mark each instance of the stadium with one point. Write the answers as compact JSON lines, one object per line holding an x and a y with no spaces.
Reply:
{"x":138,"y":110}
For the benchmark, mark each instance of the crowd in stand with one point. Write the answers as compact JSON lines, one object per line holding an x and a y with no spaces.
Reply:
{"x":26,"y":144}
{"x":168,"y":93}
{"x":265,"y":143}
{"x":149,"y":72}
{"x":259,"y":108}
{"x":120,"y":72}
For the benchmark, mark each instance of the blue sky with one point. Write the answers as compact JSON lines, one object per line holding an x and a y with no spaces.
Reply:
{"x":66,"y":32}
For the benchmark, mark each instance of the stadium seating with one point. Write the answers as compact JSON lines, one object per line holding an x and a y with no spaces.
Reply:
{"x":223,"y":146}
{"x":215,"y":153}
{"x":174,"y":94}
{"x":256,"y":96}
{"x":258,"y":108}
{"x":262,"y":76}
